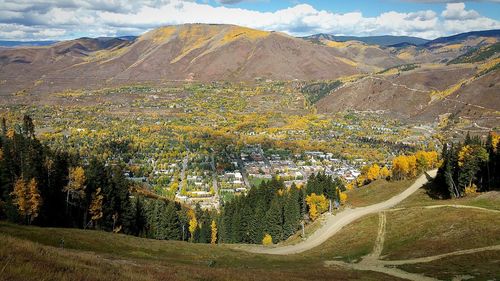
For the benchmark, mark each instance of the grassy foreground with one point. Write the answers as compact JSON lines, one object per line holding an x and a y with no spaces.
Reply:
{"x":26,"y":253}
{"x":412,"y":231}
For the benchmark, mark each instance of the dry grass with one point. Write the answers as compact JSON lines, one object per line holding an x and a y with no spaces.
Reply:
{"x":477,"y":266}
{"x":420,"y":232}
{"x":488,"y":200}
{"x":376,"y":192}
{"x":352,"y":242}
{"x":30,"y":252}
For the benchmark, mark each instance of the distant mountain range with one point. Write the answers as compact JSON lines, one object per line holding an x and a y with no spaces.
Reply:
{"x":404,"y":41}
{"x":384,"y":40}
{"x":406,"y":76}
{"x":13,"y":44}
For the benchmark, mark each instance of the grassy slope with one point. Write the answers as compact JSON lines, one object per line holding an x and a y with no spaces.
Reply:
{"x":443,"y":230}
{"x":489,"y":200}
{"x":95,"y":255}
{"x":29,"y":252}
{"x":481,"y":266}
{"x":375,"y":192}
{"x":419,"y":232}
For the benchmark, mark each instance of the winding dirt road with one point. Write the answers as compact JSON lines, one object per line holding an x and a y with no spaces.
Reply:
{"x":334,"y":223}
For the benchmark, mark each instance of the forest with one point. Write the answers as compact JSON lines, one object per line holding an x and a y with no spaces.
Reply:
{"x":468,"y":167}
{"x":46,"y":187}
{"x":275,"y":212}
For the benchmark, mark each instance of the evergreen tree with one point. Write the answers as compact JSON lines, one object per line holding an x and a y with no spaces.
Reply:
{"x":291,"y":212}
{"x":274,"y":219}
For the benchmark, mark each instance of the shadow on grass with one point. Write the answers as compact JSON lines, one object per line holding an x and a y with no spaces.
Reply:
{"x":432,"y":190}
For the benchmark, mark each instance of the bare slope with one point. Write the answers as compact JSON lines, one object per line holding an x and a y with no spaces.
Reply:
{"x":185,"y":52}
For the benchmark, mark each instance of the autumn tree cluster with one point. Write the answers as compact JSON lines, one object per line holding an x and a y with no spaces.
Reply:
{"x":408,"y":166}
{"x":468,"y":167}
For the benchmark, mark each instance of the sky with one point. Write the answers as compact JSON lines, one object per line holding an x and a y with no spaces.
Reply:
{"x":68,"y":19}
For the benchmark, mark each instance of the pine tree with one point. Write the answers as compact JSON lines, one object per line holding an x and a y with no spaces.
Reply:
{"x":274,"y":219}
{"x":291,"y":212}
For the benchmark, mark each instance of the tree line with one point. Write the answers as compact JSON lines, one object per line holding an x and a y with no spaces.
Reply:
{"x":46,"y":187}
{"x":468,"y":167}
{"x":271,"y":212}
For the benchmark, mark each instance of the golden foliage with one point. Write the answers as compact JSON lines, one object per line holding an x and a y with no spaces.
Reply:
{"x":313,"y":212}
{"x":193,"y":222}
{"x":385,"y":173}
{"x":335,"y":44}
{"x":407,"y":166}
{"x":495,"y":138}
{"x":27,"y":198}
{"x":213,"y":227}
{"x":463,"y":154}
{"x":317,"y":204}
{"x":96,"y":205}
{"x":35,"y":199}
{"x":471,"y":189}
{"x":267,"y":240}
{"x":10,"y":133}
{"x":76,"y":184}
{"x":343,"y":197}
{"x":248,"y":33}
{"x":373,"y":172}
{"x":20,"y":194}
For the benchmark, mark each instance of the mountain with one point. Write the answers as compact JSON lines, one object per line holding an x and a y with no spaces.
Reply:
{"x":187,"y":52}
{"x":414,"y":82}
{"x":462,"y":37}
{"x":12,"y":44}
{"x":384,"y":40}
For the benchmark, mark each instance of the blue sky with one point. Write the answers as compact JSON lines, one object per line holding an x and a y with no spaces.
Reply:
{"x":67,"y":19}
{"x":367,"y":7}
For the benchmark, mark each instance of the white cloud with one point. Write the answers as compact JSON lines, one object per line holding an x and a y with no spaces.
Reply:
{"x":52,"y":19}
{"x":456,"y":11}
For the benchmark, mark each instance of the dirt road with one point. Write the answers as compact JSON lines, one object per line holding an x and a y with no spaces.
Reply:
{"x":334,"y":223}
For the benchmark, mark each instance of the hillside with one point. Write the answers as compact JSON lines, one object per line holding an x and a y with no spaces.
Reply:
{"x":414,"y":240}
{"x":386,"y":40}
{"x":185,"y":52}
{"x":423,"y":93}
{"x":450,"y":75}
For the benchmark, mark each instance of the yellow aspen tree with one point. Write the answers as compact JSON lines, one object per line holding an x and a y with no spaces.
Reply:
{"x":384,"y":173}
{"x":373,"y":172}
{"x":412,"y":166}
{"x":76,"y":184}
{"x":343,"y":197}
{"x":10,"y":133}
{"x":313,"y":212}
{"x":35,"y":200}
{"x":400,"y":167}
{"x":20,"y":194}
{"x":464,"y":154}
{"x":213,"y":227}
{"x":267,"y":240}
{"x":193,"y":223}
{"x":95,"y":208}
